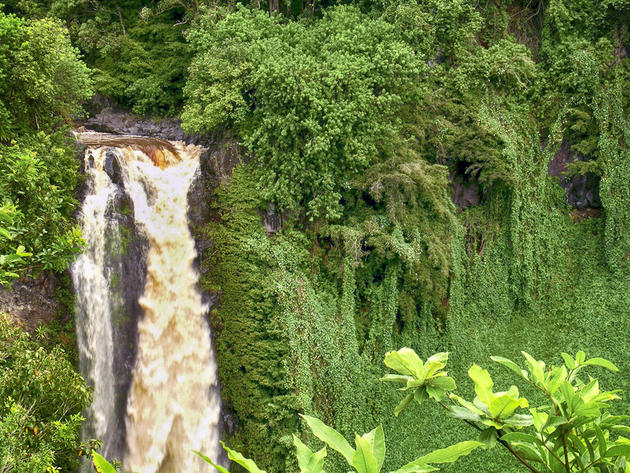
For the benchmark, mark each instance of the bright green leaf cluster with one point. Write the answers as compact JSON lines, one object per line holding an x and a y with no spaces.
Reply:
{"x":425,"y":380}
{"x":572,"y":433}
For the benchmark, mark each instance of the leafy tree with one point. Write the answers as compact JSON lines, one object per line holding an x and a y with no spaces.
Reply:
{"x":43,"y":82}
{"x":314,"y":102}
{"x":43,"y":397}
{"x":42,"y":85}
{"x":39,"y":177}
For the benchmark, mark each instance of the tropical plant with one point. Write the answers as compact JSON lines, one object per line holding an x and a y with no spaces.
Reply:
{"x":102,"y":465}
{"x":571,"y":431}
{"x":367,"y":456}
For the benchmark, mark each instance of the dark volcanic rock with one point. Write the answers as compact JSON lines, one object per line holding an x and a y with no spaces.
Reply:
{"x":582,"y":190}
{"x":215,"y":166}
{"x":466,"y":189}
{"x":31,"y":301}
{"x":112,"y":168}
{"x":108,"y":117}
{"x":123,"y":123}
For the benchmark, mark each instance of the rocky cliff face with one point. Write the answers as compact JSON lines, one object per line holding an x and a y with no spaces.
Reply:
{"x":108,"y":117}
{"x":30,"y":301}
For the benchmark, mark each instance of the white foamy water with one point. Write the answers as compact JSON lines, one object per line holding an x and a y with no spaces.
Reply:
{"x":91,"y":278}
{"x":173,"y":406}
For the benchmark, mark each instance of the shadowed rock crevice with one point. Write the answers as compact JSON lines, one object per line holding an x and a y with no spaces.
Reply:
{"x":582,"y":191}
{"x":466,"y":190}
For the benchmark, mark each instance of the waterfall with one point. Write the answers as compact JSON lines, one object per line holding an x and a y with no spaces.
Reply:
{"x":91,"y":276}
{"x":172,"y":404}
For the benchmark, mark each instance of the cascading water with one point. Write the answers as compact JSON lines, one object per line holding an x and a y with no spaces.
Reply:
{"x":173,"y":404}
{"x":91,"y":276}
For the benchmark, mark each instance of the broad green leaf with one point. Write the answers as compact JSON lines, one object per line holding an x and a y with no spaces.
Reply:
{"x":569,"y":361}
{"x":601,"y":440}
{"x":519,"y":420}
{"x":435,"y":363}
{"x":483,"y":383}
{"x":364,"y":460}
{"x":435,"y":393}
{"x":414,"y":383}
{"x":589,"y":391}
{"x":504,"y":405}
{"x":405,"y":361}
{"x":450,"y":454}
{"x":601,"y":362}
{"x":441,"y":357}
{"x":445,"y":383}
{"x":621,"y":428}
{"x":566,"y":389}
{"x":462,"y":413}
{"x":528,"y":452}
{"x":493,"y":423}
{"x":467,"y":404}
{"x":330,"y":436}
{"x":509,"y":364}
{"x":558,"y":376}
{"x":102,"y":465}
{"x":246,"y":463}
{"x":618,"y":451}
{"x":377,"y":441}
{"x":580,"y":356}
{"x":421,"y":395}
{"x":536,"y":368}
{"x":539,"y":419}
{"x":585,"y":457}
{"x":404,"y":403}
{"x":415,"y":468}
{"x":553,"y":422}
{"x":489,"y":437}
{"x":308,"y":461}
{"x":396,"y":378}
{"x":521,"y":437}
{"x":207,"y":460}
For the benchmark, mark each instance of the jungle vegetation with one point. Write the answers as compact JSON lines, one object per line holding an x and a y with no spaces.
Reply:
{"x":414,"y":153}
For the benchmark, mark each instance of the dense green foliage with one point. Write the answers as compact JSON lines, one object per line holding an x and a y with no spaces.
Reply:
{"x":43,"y":397}
{"x":308,"y":312}
{"x":367,"y":456}
{"x":136,"y":49}
{"x":41,"y":87}
{"x":358,"y":119}
{"x":321,"y":102}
